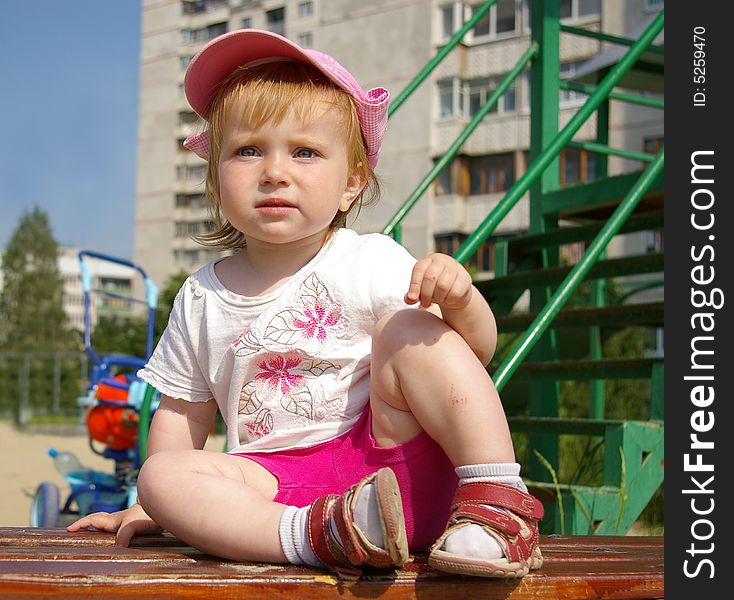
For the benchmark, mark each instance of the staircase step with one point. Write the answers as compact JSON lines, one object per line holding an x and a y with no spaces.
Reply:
{"x":532,"y":242}
{"x":613,"y":267}
{"x":585,"y":369}
{"x":575,"y":426}
{"x":606,"y":316}
{"x":596,"y":200}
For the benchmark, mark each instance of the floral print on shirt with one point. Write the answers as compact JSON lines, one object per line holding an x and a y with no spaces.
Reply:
{"x":287,"y":380}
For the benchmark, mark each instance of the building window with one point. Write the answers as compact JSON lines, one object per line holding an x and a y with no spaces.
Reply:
{"x":203,"y":34}
{"x":187,"y":117}
{"x":305,"y":9}
{"x":500,"y":19}
{"x":568,"y":97}
{"x":505,"y":16}
{"x":577,"y":166}
{"x":652,"y":145}
{"x":444,"y":183}
{"x":449,"y":243}
{"x":446,"y":98}
{"x":580,"y":9}
{"x":275,"y":20}
{"x":190,"y":200}
{"x":247,"y":23}
{"x":188,"y":258}
{"x":653,"y":5}
{"x":491,"y":173}
{"x":464,"y":98}
{"x":191,"y":228}
{"x":471,"y":175}
{"x":450,"y":16}
{"x":193,"y":7}
{"x":305,"y":40}
{"x":478,"y":92}
{"x":190,"y":173}
{"x":185,"y":61}
{"x":196,"y":7}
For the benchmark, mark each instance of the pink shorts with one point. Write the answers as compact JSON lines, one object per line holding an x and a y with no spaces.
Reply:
{"x":426,"y":476}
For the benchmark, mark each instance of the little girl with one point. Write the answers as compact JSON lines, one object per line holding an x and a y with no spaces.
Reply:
{"x":351,"y":377}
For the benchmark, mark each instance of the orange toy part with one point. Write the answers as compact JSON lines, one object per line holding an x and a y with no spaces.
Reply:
{"x":112,"y":393}
{"x":114,"y":426}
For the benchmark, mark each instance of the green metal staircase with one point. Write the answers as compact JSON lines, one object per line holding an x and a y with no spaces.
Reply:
{"x":550,"y":341}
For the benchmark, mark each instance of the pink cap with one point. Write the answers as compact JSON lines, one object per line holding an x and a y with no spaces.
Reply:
{"x":224,"y":54}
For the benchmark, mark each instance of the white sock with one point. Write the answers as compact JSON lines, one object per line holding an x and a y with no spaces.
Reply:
{"x":294,"y":537}
{"x":472,"y":540}
{"x":294,"y":528}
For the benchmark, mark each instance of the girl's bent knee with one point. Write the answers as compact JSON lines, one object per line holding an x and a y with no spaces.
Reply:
{"x":409,"y":326}
{"x":157,"y":471}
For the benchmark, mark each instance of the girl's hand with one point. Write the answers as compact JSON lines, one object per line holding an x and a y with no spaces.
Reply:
{"x":127,"y":523}
{"x":439,"y":279}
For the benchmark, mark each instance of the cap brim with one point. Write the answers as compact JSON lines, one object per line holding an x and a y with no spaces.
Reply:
{"x":224,"y":54}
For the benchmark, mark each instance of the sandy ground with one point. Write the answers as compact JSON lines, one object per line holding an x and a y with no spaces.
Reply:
{"x":25,"y":463}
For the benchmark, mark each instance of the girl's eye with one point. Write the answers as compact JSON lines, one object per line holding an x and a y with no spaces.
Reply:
{"x":305,"y":153}
{"x":247,"y":151}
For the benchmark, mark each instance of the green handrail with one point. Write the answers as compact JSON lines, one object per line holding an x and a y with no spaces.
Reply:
{"x":490,"y":223}
{"x":440,"y":55}
{"x":579,"y":271}
{"x":604,"y":149}
{"x":144,"y":422}
{"x":608,"y":37}
{"x":452,"y":150}
{"x":586,"y":88}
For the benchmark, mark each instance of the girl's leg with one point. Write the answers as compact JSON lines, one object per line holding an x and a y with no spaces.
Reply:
{"x":223,"y":505}
{"x":218,"y":503}
{"x":425,"y":376}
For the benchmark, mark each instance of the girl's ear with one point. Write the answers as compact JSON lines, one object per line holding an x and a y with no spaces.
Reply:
{"x":355,"y":184}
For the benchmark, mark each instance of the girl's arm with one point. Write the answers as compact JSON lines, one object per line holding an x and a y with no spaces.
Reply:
{"x":177,"y":425}
{"x":180,"y":425}
{"x":443,"y":286}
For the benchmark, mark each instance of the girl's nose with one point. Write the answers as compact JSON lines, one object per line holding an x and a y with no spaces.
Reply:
{"x":274,"y":170}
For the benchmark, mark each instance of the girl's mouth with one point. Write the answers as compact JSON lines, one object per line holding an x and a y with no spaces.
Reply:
{"x":275,"y":203}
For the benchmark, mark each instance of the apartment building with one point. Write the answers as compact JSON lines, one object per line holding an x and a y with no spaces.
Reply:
{"x":107,"y":276}
{"x":383,"y":42}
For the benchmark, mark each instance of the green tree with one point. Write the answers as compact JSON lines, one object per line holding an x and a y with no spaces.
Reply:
{"x":31,"y":299}
{"x":165,"y":301}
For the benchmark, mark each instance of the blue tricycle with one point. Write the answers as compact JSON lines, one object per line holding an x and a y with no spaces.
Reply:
{"x":116,"y":405}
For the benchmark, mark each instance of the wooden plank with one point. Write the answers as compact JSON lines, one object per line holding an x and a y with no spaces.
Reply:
{"x":38,"y":563}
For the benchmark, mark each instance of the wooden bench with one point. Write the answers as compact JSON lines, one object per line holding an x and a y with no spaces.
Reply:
{"x":52,"y":563}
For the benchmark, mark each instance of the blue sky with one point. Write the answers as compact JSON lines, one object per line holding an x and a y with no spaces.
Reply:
{"x":69,"y":101}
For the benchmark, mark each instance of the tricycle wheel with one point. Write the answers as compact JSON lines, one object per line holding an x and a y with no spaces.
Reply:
{"x":46,"y":506}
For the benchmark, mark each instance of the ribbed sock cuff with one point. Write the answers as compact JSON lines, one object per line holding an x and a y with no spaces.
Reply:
{"x":489,"y":470}
{"x":505,"y":473}
{"x":288,"y":536}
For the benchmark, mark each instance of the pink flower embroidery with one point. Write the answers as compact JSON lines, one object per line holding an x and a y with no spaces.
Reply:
{"x":258,"y":430}
{"x":317,"y":320}
{"x":276,"y":374}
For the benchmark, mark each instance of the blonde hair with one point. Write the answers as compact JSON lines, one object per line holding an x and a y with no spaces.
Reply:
{"x":269,"y":92}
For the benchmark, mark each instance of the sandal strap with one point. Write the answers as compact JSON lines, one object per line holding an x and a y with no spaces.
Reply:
{"x":352,"y":549}
{"x":322,"y":542}
{"x":486,"y":516}
{"x":498,"y":494}
{"x":515,"y":546}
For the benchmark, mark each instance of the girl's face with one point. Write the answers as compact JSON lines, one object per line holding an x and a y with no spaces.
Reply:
{"x":282,"y":183}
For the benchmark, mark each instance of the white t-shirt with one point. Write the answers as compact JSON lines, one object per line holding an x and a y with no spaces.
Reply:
{"x":291,"y":368}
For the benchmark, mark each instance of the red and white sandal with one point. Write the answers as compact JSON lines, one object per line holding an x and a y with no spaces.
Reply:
{"x":515,"y":528}
{"x":355,"y":550}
